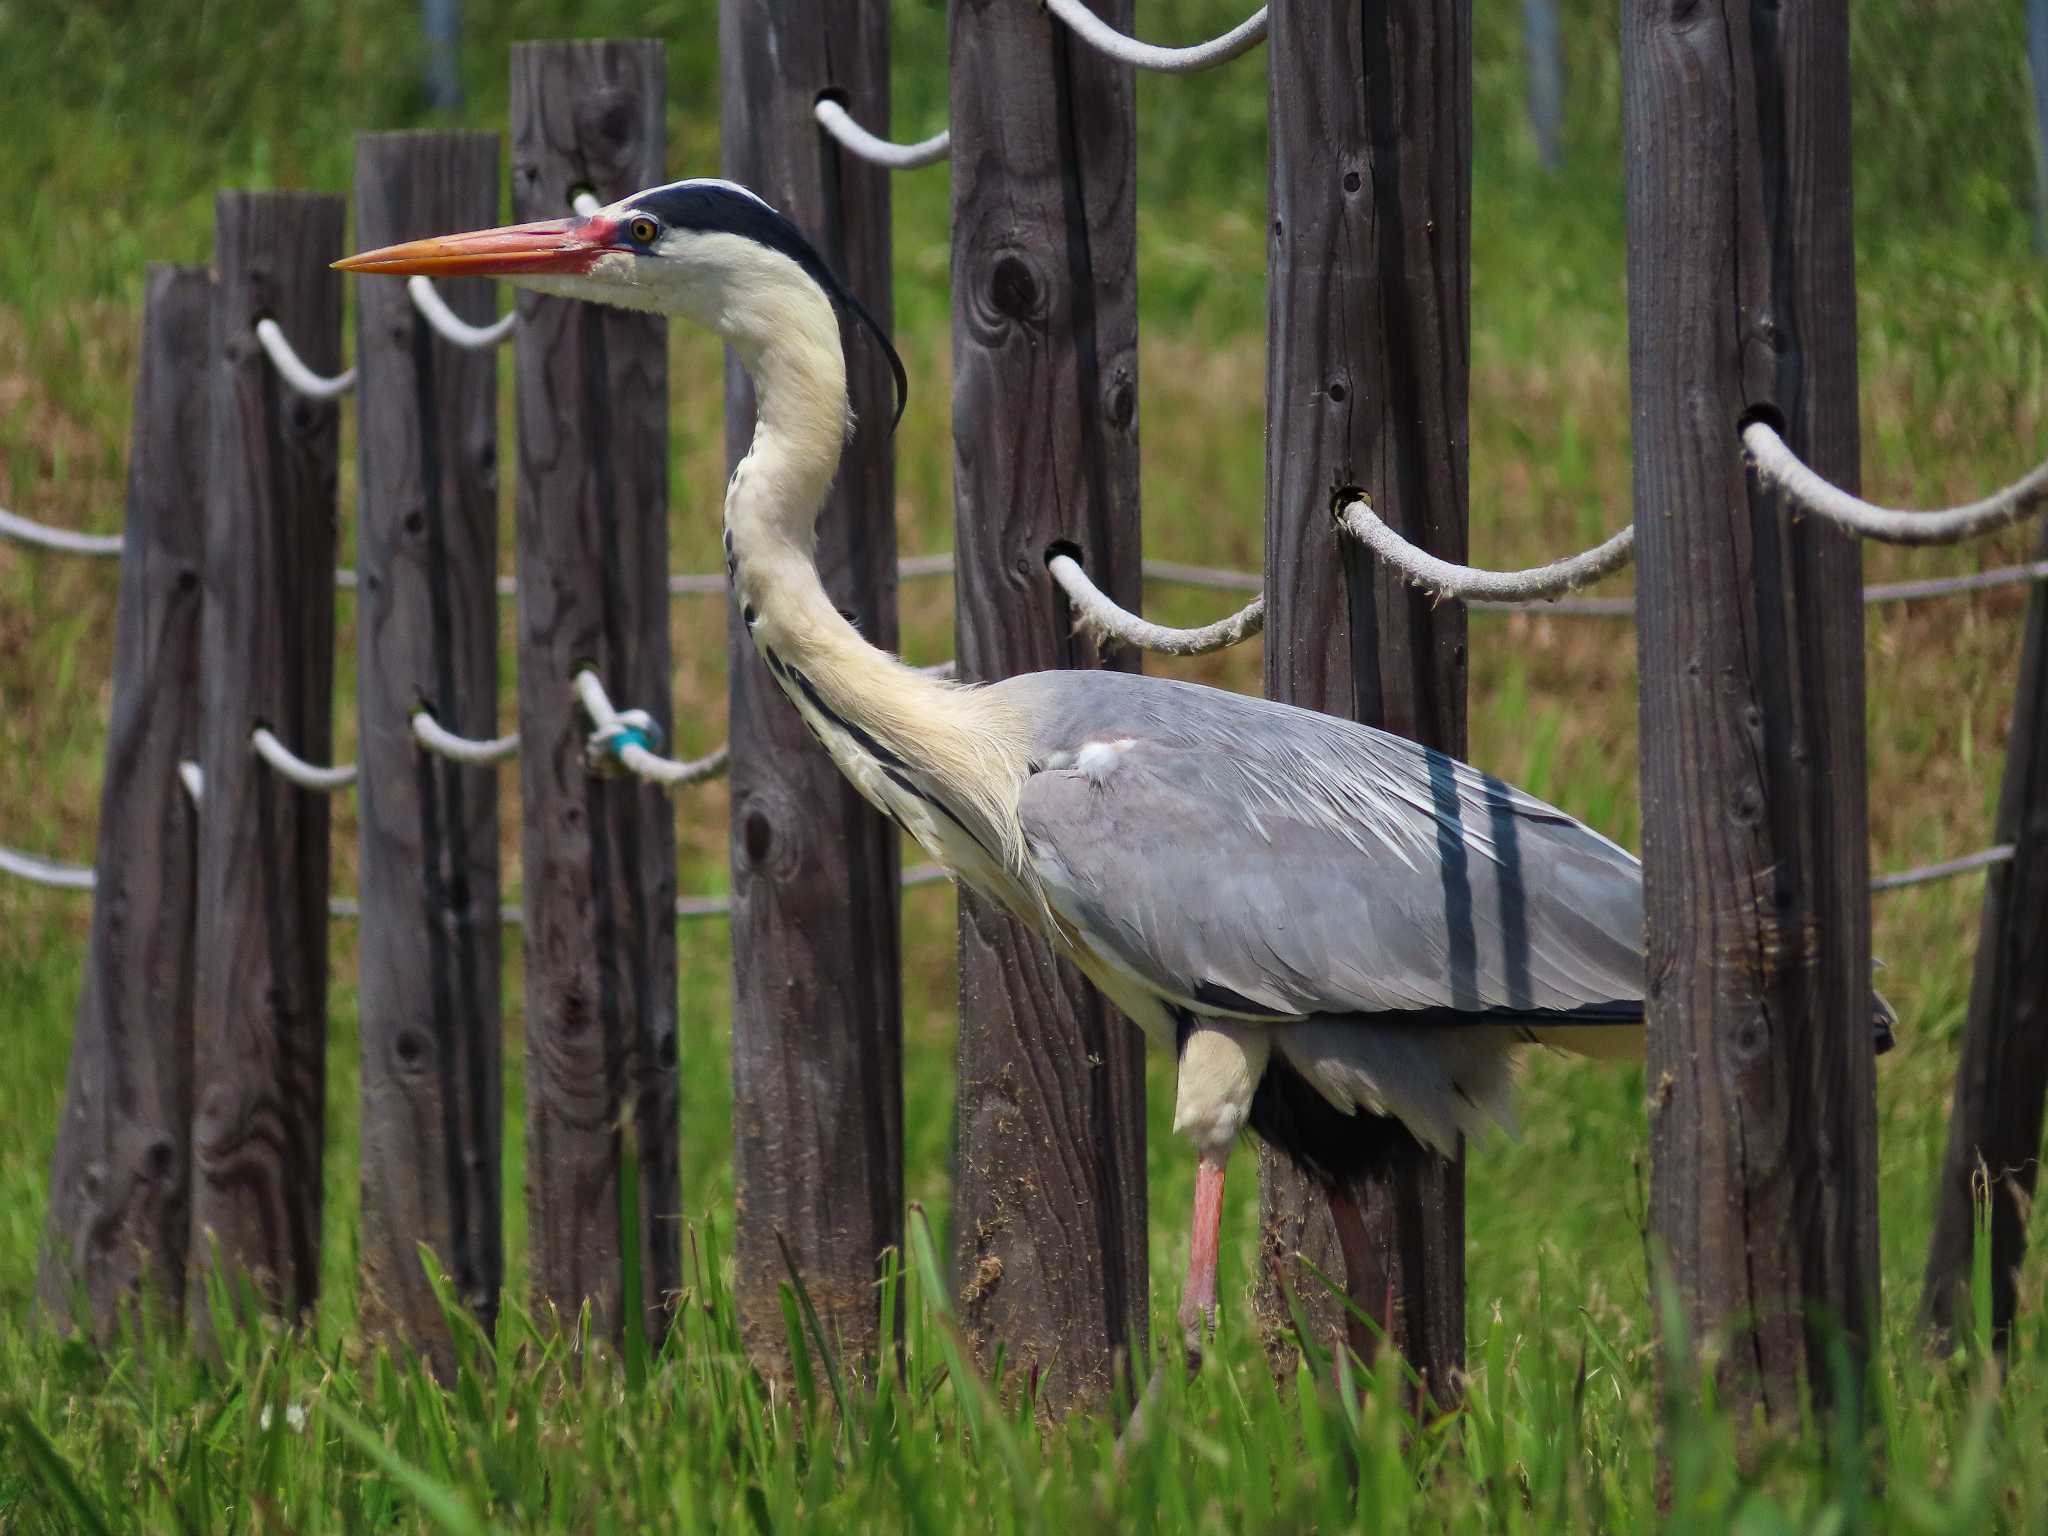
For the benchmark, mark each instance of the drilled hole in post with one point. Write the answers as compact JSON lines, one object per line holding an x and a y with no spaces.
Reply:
{"x":1065,"y":547}
{"x":1763,"y":412}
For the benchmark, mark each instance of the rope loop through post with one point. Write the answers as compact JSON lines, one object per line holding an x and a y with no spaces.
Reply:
{"x":1804,"y":491}
{"x":442,"y":742}
{"x":451,"y":327}
{"x":1101,"y":36}
{"x":1100,"y":616}
{"x":62,"y":540}
{"x":606,"y":751}
{"x":290,"y":367}
{"x":628,"y":740}
{"x":1443,"y":579}
{"x":873,"y":148}
{"x":289,"y":765}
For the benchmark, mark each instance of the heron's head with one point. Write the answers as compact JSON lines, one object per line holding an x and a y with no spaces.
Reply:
{"x":706,"y":249}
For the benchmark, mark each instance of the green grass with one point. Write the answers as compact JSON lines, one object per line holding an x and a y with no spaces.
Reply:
{"x":121,"y":120}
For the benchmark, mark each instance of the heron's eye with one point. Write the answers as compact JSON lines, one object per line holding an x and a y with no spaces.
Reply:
{"x":643,"y":230}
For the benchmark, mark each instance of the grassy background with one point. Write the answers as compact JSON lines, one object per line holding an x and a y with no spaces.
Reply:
{"x":121,"y":119}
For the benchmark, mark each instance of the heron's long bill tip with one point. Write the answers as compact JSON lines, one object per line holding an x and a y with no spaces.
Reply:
{"x":569,"y":246}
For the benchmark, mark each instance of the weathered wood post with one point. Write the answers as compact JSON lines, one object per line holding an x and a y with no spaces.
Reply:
{"x":1741,"y":288}
{"x":267,"y":658}
{"x":599,"y":853}
{"x":114,"y":1237}
{"x":817,"y":1147}
{"x":1368,"y":328}
{"x":1049,"y":1219}
{"x":427,"y":638}
{"x":2002,"y":1078}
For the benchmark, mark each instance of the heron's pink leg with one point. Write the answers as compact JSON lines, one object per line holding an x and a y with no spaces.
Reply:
{"x":1198,"y":1300}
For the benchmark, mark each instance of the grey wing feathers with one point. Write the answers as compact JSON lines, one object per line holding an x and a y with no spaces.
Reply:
{"x":1247,"y":858}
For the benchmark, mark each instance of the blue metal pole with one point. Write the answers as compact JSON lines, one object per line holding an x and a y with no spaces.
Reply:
{"x":442,"y":22}
{"x":1545,"y":46}
{"x":2037,"y":64}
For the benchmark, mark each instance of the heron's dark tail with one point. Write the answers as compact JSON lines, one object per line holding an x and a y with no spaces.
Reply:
{"x":1614,"y":1030}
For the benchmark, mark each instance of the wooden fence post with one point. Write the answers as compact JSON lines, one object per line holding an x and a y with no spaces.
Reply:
{"x":267,"y":658}
{"x":120,"y":1187}
{"x":427,"y":637}
{"x":599,"y":853}
{"x":1741,"y":288}
{"x":1049,"y":1217}
{"x":2002,"y":1077}
{"x":817,"y":1153}
{"x":1368,"y":335}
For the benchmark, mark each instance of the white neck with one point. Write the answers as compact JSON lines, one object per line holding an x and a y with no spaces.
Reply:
{"x":963,"y":743}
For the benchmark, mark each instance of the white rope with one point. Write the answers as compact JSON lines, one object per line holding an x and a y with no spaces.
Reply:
{"x":314,"y":386}
{"x":41,"y":871}
{"x":426,"y":298}
{"x":436,"y":738}
{"x":2000,"y":854}
{"x":1443,"y":579}
{"x":22,"y":531}
{"x":1104,"y":38}
{"x":302,"y":773}
{"x":838,"y":122}
{"x":193,"y":777}
{"x":629,"y":737}
{"x":1805,"y":491}
{"x":1102,"y":618}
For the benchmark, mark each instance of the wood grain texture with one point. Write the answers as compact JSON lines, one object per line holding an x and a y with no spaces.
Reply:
{"x":267,"y":656}
{"x":1368,"y":357}
{"x":119,"y":1214}
{"x":599,"y":853}
{"x":817,"y":985}
{"x":1749,"y":627}
{"x":1050,"y":1215}
{"x":427,"y":636}
{"x":1994,"y":1129}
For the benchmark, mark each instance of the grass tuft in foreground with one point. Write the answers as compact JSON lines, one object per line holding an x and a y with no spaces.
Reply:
{"x":540,"y":1430}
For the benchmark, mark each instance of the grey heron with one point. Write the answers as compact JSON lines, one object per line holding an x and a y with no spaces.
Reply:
{"x":1319,"y":921}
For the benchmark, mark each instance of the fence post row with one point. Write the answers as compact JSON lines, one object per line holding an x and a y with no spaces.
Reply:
{"x":1049,"y":1215}
{"x":816,"y":914}
{"x":1368,"y":355}
{"x":116,"y":1228}
{"x":267,"y":658}
{"x":1741,"y":290}
{"x":599,"y":853}
{"x":2002,"y":1073}
{"x":426,"y":637}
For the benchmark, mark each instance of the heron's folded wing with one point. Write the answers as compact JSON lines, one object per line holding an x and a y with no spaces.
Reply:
{"x":1295,"y":864}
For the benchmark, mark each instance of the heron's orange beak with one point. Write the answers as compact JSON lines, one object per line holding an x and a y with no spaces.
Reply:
{"x":570,"y":246}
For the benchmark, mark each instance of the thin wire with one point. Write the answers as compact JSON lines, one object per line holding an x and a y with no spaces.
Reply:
{"x":1947,"y":869}
{"x":41,"y":871}
{"x":1104,"y":38}
{"x":63,"y":540}
{"x":302,"y":773}
{"x":838,"y":122}
{"x":1100,"y":617}
{"x":426,"y":298}
{"x":436,"y":738}
{"x":314,"y":386}
{"x":613,"y":739}
{"x":1441,"y":578}
{"x":1805,"y":491}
